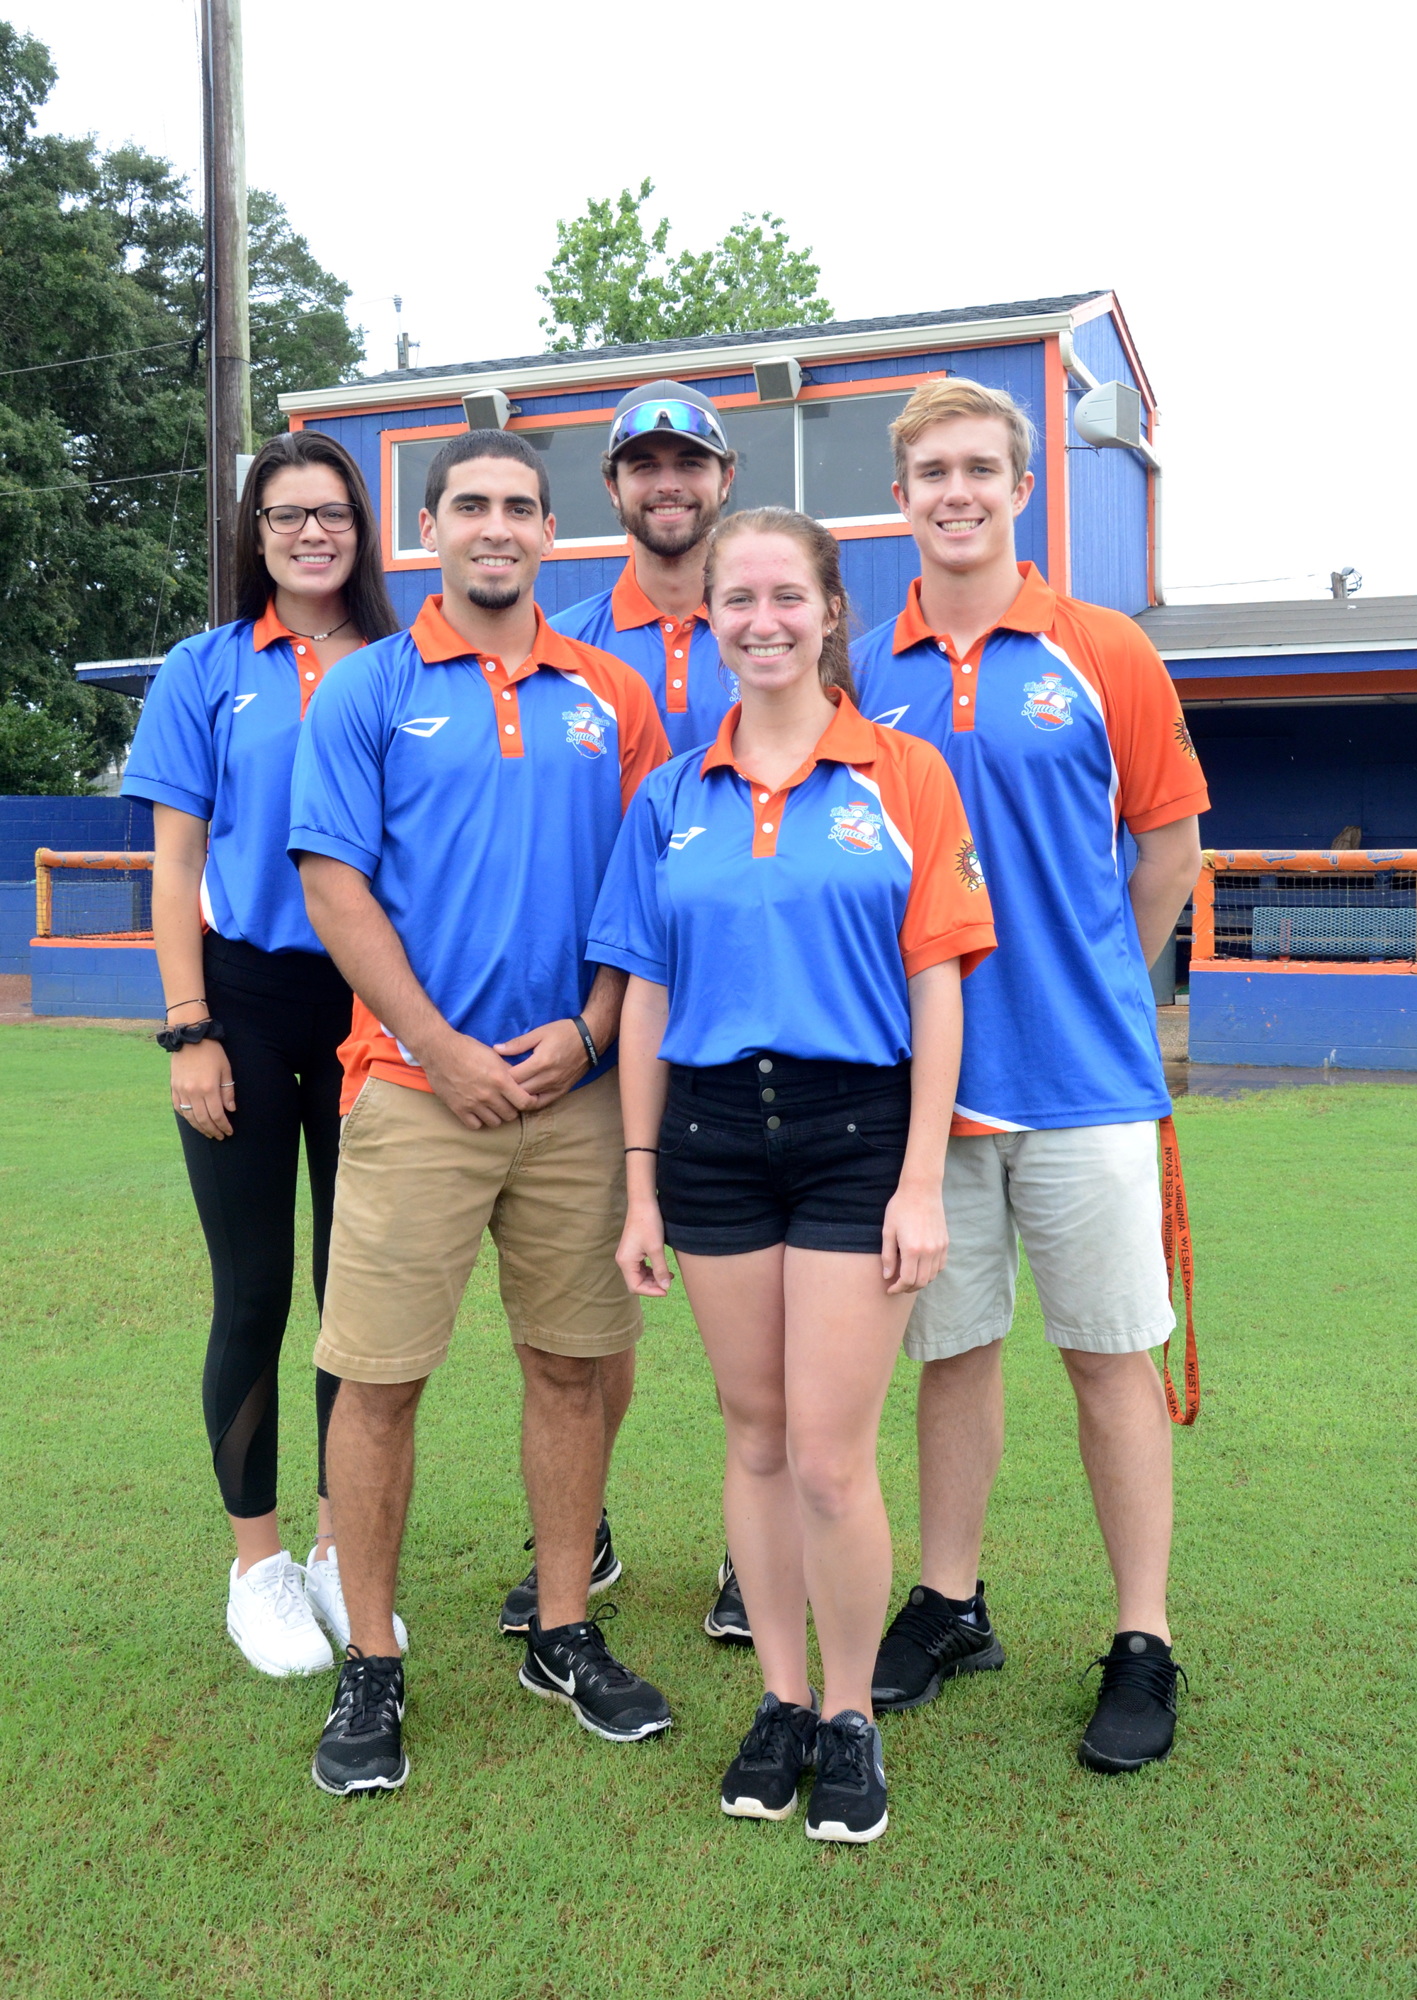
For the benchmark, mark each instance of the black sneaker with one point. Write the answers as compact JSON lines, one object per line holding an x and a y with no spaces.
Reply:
{"x":519,"y":1607}
{"x":927,"y":1643}
{"x":761,"y":1782}
{"x":728,"y":1619}
{"x":1134,"y":1723}
{"x":362,"y":1747}
{"x":849,"y":1797}
{"x":572,"y":1663}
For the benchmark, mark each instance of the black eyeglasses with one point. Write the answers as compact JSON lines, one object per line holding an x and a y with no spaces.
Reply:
{"x":336,"y":516}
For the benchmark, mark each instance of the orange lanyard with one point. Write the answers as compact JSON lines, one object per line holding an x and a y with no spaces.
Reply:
{"x":1176,"y":1242}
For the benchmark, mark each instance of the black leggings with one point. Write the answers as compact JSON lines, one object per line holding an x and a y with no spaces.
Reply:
{"x":285,"y":1015}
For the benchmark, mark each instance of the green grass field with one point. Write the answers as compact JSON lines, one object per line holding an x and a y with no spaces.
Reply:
{"x":159,"y":1833}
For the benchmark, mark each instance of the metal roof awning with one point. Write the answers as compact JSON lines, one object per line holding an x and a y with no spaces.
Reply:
{"x":132,"y":677}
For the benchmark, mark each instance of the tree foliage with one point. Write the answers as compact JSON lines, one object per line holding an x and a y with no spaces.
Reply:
{"x":610,"y":282}
{"x":101,"y":267}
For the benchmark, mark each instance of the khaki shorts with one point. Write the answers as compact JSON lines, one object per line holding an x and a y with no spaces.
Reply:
{"x":1087,"y":1203}
{"x":416,"y":1189}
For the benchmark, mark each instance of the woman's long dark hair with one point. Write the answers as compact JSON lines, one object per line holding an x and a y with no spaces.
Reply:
{"x":834,"y":667}
{"x":366,"y":595}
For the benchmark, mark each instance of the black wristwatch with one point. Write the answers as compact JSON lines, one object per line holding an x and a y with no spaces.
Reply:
{"x":172,"y":1039}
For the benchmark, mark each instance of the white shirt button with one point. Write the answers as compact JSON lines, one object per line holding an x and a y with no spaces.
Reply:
{"x":506,"y":694}
{"x":668,"y":627}
{"x":964,"y":701}
{"x":767,"y":826}
{"x":678,"y":652}
{"x":309,"y":677}
{"x":966,"y":668}
{"x":511,"y":729}
{"x":942,"y":646}
{"x":678,"y":684}
{"x":762,"y":798}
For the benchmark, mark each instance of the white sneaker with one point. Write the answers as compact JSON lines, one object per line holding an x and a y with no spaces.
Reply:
{"x":326,"y":1595}
{"x":269,"y":1617}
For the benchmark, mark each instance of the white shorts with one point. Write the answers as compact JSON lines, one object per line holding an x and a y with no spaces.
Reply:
{"x":1087,"y":1203}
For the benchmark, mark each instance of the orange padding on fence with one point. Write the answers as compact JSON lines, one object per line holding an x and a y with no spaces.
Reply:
{"x":1176,"y":1242}
{"x":49,"y":857}
{"x":1309,"y":860}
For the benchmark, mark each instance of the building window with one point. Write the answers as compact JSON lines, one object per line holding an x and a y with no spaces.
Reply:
{"x":410,"y":467}
{"x":830,"y":458}
{"x":846,"y":457}
{"x":578,"y":497}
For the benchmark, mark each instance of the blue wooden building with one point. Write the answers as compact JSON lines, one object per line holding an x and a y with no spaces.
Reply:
{"x":1089,"y":527}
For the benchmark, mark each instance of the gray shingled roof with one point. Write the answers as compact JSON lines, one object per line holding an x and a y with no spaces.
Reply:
{"x":1220,"y":628}
{"x":705,"y":343}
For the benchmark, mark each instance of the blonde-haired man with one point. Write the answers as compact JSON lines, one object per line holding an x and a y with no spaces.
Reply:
{"x":1058,"y":721}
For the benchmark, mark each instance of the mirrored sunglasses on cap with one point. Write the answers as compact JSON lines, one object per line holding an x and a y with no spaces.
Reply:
{"x":687,"y":419}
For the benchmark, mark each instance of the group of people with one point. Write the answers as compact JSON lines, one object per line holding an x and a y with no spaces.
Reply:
{"x":676,"y":921}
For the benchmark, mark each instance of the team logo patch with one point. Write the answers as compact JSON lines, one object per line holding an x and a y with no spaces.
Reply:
{"x":423,"y":725}
{"x":585,"y":729}
{"x":679,"y":841}
{"x":967,"y":865}
{"x":1183,"y":738}
{"x":1050,"y":702}
{"x":242,"y":701}
{"x":856,"y":828}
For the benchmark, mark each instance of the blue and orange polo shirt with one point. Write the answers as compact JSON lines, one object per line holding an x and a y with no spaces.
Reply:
{"x":483,"y":804}
{"x":216,"y":739}
{"x":692,"y":689}
{"x":791,"y":920}
{"x":1058,"y":725}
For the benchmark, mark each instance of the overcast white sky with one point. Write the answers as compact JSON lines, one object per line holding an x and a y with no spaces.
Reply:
{"x":1239,"y":173}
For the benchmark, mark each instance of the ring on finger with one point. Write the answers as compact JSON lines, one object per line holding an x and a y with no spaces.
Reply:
{"x":184,"y":1107}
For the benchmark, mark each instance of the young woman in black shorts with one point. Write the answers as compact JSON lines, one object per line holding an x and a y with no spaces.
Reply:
{"x":256,"y":1009}
{"x":795,"y":907}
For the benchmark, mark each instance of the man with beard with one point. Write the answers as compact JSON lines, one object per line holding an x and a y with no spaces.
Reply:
{"x":668,"y":468}
{"x":457,"y":793}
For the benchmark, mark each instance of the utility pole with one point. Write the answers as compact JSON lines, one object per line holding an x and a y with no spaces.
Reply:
{"x":228,"y":320}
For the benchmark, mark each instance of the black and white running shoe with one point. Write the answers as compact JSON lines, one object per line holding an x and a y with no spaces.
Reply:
{"x":519,"y":1606}
{"x":1134,"y":1723}
{"x":849,"y":1797}
{"x":928,"y":1643}
{"x":361,"y":1749}
{"x":728,"y":1619}
{"x":572,"y":1663}
{"x":761,"y":1782}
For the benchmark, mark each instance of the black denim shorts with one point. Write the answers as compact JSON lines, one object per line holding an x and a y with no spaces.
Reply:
{"x":774,"y":1149}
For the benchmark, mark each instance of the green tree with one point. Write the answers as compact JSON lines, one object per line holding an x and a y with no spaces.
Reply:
{"x":102,"y":550}
{"x":610,"y":282}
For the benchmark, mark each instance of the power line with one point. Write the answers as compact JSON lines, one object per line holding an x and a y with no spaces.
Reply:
{"x":116,"y":354}
{"x":87,"y":485}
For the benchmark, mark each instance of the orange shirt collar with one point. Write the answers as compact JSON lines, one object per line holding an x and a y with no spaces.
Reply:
{"x":268,"y":628}
{"x":629,"y":606}
{"x":847,"y":739}
{"x":437,"y":642}
{"x":1031,"y":611}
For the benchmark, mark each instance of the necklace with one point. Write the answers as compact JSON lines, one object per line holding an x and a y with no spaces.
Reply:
{"x":318,"y":636}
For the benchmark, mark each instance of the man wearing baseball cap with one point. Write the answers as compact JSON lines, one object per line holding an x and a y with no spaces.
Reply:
{"x":668,"y":469}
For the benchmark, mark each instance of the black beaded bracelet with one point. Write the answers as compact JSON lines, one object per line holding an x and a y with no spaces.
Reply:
{"x":592,"y":1053}
{"x":642,"y":1149}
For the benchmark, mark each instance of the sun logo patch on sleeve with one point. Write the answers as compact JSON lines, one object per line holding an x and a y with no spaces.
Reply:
{"x":1183,"y":738}
{"x":1050,"y":702}
{"x":585,"y":729}
{"x":856,"y":828}
{"x":967,"y":865}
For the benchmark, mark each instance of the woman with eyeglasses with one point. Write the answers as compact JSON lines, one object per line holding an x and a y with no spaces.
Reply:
{"x":256,"y":1010}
